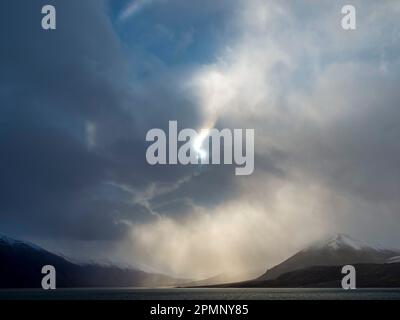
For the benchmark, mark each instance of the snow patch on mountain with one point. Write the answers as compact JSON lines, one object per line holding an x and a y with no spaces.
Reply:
{"x":12,"y":242}
{"x":337,"y":250}
{"x":343,"y":241}
{"x":395,"y":259}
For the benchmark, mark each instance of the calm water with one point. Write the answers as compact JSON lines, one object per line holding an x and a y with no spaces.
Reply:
{"x":200,"y":294}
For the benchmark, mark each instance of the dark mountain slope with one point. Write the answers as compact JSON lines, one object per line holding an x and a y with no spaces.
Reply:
{"x":338,"y":250}
{"x":367,"y":276}
{"x":21,"y":264}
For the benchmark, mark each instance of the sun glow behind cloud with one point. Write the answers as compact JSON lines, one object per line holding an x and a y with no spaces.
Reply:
{"x":198,"y":143}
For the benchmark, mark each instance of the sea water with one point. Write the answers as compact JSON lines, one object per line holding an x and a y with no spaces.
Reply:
{"x":201,"y":294}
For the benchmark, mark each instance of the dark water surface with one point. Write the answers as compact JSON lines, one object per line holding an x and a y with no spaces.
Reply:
{"x":200,"y":294}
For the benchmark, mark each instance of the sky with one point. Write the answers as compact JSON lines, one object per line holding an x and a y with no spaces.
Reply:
{"x":76,"y":104}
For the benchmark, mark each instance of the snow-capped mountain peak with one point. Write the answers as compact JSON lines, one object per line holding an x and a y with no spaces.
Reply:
{"x":339,"y":249}
{"x":343,"y":241}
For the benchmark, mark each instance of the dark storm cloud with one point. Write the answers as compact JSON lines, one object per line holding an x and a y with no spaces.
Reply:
{"x":53,"y":85}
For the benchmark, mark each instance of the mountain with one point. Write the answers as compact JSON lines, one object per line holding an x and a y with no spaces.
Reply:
{"x":386,"y":275}
{"x":320,"y":265}
{"x":337,"y":250}
{"x":21,"y":264}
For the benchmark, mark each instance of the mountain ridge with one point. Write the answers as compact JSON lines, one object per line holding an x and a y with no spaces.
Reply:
{"x":386,"y":275}
{"x":339,"y":249}
{"x":319,"y":265}
{"x":22,"y":262}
